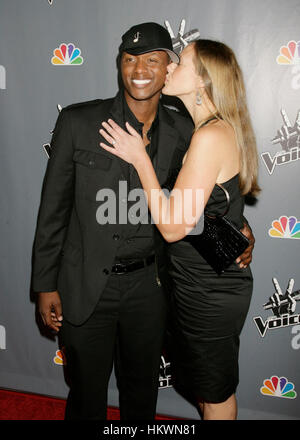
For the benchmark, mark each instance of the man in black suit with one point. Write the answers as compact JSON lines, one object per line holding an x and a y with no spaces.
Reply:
{"x":100,"y":282}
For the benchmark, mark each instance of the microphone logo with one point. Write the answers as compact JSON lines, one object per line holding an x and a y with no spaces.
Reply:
{"x":283,"y":306}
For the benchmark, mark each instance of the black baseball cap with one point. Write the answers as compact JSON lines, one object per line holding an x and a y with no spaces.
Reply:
{"x":148,"y":37}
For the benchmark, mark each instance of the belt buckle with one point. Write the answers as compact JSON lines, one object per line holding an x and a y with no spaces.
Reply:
{"x":120,"y":268}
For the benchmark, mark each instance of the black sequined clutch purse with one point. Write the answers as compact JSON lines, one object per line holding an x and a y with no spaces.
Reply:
{"x":220,"y":242}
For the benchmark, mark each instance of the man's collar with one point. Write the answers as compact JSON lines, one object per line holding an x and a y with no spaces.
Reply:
{"x":120,"y":105}
{"x":129,"y":115}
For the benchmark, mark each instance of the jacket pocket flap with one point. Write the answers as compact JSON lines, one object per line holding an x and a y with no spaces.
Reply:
{"x":92,"y":160}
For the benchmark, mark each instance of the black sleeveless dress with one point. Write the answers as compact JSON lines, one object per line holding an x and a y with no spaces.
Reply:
{"x":208,"y":310}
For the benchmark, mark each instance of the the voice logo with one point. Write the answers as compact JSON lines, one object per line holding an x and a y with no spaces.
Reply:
{"x":288,"y":136}
{"x":2,"y":78}
{"x":2,"y":338}
{"x":283,"y":307}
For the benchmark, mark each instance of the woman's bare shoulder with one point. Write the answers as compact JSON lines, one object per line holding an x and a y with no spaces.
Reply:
{"x":217,"y":137}
{"x":218,"y":131}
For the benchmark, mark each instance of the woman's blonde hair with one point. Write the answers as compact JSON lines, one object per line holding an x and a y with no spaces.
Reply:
{"x":217,"y":65}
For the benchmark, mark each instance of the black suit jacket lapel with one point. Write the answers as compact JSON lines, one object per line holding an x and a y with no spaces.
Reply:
{"x":168,"y":138}
{"x":113,"y":109}
{"x":117,"y":115}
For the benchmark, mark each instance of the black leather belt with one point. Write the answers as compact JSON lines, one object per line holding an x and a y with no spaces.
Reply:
{"x":121,"y":268}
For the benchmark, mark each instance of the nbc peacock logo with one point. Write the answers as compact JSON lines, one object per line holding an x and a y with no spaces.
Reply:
{"x":59,"y":358}
{"x":285,"y":227}
{"x":67,"y":55}
{"x":289,"y":54}
{"x":278,"y":387}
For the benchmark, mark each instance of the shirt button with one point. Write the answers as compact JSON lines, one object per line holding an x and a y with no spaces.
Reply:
{"x":106,"y":271}
{"x":91,"y":163}
{"x":116,"y":236}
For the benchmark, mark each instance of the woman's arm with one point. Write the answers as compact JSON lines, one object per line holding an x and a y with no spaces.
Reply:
{"x":177,"y":215}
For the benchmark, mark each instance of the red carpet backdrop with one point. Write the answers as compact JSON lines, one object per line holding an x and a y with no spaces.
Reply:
{"x":55,"y":53}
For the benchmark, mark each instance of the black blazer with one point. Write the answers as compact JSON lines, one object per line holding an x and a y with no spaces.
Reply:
{"x":72,"y":252}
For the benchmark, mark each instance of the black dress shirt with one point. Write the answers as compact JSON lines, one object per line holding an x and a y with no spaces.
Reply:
{"x":137,"y":239}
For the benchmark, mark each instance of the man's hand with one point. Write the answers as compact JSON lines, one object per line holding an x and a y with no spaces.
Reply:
{"x":50,"y":309}
{"x":245,"y":259}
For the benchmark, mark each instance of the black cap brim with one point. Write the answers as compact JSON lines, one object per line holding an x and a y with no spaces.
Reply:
{"x":139,"y":51}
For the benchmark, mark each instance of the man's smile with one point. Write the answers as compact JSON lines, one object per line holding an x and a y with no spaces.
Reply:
{"x":141,"y":82}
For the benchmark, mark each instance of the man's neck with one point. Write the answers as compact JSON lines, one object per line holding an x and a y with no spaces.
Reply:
{"x":144,"y":110}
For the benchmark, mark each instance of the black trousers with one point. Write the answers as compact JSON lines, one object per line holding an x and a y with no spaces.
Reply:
{"x":127,"y":327}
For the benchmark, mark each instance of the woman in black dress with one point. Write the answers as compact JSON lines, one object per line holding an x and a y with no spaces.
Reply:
{"x":209,"y":309}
